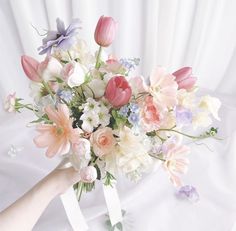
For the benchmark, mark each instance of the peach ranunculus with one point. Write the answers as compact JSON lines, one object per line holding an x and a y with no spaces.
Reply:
{"x":176,"y":162}
{"x":57,"y":137}
{"x":150,"y":114}
{"x":163,"y":87}
{"x":102,"y":141}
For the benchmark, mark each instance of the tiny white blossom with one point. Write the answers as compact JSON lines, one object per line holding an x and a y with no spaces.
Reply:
{"x":90,"y":121}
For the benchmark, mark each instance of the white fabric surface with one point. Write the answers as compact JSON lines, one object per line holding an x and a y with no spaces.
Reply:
{"x":198,"y":33}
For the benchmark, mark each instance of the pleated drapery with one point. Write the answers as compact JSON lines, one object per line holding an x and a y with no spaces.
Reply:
{"x":172,"y":33}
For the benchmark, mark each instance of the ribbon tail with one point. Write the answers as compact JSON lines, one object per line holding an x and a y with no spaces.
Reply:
{"x":113,"y":204}
{"x":73,"y":211}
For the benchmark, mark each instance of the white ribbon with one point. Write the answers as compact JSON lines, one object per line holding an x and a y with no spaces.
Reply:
{"x":73,"y":211}
{"x":113,"y":203}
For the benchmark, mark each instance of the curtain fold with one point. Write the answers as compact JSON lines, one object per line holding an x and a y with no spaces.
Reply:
{"x":172,"y":33}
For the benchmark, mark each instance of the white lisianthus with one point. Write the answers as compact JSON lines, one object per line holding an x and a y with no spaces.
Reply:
{"x":50,"y":69}
{"x":74,"y":74}
{"x":132,"y":153}
{"x":10,"y":102}
{"x":210,"y":104}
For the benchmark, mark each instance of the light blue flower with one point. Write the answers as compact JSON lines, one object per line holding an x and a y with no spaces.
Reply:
{"x":65,"y":95}
{"x":124,"y":111}
{"x":133,"y":118}
{"x":134,"y":107}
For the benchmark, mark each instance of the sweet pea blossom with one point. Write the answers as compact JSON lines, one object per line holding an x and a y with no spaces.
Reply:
{"x":57,"y":137}
{"x":103,"y":141}
{"x":176,"y":162}
{"x":10,"y":102}
{"x":163,"y":87}
{"x":118,"y":91}
{"x":184,"y":78}
{"x":62,"y":38}
{"x":105,"y":31}
{"x":210,"y":104}
{"x":188,"y":192}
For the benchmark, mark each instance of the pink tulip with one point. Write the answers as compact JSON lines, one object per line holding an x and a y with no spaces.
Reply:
{"x":118,"y":91}
{"x":184,"y":78}
{"x":105,"y":31}
{"x":30,"y":67}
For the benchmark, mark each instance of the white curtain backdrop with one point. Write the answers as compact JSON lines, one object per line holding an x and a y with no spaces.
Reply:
{"x":172,"y":33}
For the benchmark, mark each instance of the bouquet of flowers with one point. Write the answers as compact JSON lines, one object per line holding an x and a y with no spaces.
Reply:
{"x":105,"y":120}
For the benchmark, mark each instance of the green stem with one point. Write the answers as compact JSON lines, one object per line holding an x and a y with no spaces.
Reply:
{"x":47,"y":88}
{"x":201,"y":137}
{"x":157,"y":157}
{"x":98,"y":58}
{"x":69,"y":55}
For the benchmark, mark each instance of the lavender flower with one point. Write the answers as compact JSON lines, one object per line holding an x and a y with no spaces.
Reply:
{"x":183,"y":116}
{"x":188,"y":192}
{"x":62,"y":38}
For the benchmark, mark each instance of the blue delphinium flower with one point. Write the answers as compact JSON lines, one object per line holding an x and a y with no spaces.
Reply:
{"x":134,"y":107}
{"x":133,"y":118}
{"x":62,"y":38}
{"x":129,"y":63}
{"x":65,"y":95}
{"x":124,"y":111}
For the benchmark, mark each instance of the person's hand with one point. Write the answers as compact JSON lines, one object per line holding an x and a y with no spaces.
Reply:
{"x":63,"y":178}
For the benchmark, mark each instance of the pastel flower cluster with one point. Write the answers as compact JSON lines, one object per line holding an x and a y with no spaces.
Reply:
{"x":92,"y":109}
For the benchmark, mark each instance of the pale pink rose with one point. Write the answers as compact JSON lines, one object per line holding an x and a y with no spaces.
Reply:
{"x":88,"y":174}
{"x":105,"y":31}
{"x":176,"y":162}
{"x":118,"y":91}
{"x":163,"y":87}
{"x":9,"y":103}
{"x":150,"y":114}
{"x":184,"y":78}
{"x":102,"y":141}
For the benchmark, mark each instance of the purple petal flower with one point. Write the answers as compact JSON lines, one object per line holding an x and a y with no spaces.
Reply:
{"x":188,"y":192}
{"x":62,"y":38}
{"x":183,"y":116}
